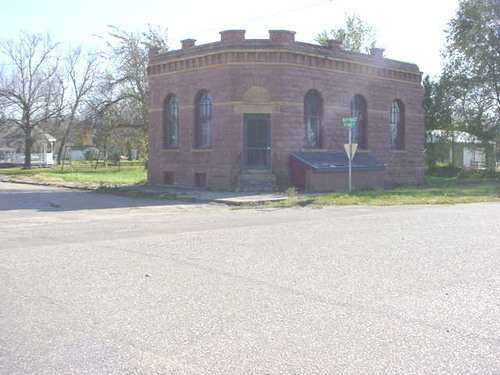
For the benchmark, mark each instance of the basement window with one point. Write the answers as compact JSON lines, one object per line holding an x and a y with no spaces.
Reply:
{"x":168,"y":178}
{"x":200,"y":180}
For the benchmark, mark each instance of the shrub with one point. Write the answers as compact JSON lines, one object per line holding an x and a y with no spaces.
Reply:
{"x":444,"y":171}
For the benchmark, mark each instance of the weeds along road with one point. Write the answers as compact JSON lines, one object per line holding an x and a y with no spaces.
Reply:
{"x":100,"y":284}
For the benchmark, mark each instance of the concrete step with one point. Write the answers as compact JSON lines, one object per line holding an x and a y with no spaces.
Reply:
{"x":257,"y":181}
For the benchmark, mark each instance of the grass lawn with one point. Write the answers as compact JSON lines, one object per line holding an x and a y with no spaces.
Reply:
{"x":486,"y":193}
{"x":125,"y":174}
{"x":437,"y":190}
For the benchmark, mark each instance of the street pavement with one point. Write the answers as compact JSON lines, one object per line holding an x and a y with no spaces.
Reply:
{"x":102,"y":284}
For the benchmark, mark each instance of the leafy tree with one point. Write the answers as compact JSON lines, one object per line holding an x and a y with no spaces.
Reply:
{"x":31,"y":85}
{"x":473,"y":67}
{"x":357,"y":36}
{"x":438,"y":105}
{"x":473,"y":48}
{"x":430,"y":107}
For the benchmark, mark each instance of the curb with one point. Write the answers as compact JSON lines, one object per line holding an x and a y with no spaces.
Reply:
{"x":244,"y":200}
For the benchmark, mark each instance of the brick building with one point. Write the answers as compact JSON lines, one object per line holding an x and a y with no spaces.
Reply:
{"x":255,"y":114}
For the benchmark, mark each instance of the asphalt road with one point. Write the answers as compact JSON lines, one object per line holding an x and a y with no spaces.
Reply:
{"x":100,"y":284}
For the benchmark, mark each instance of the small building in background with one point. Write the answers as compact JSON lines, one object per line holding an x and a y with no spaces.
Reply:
{"x":459,"y":148}
{"x":257,"y":114}
{"x":42,"y":150}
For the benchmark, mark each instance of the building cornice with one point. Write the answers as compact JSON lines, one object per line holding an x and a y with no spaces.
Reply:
{"x":280,"y":52}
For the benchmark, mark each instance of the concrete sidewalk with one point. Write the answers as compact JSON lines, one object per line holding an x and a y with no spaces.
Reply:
{"x":192,"y":195}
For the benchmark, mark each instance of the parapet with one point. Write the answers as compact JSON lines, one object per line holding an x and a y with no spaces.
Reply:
{"x":232,"y":36}
{"x":282,"y":36}
{"x":188,"y":43}
{"x":280,"y":47}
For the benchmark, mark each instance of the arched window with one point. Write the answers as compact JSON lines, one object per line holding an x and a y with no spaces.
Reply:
{"x":204,"y":120}
{"x":171,"y":122}
{"x":397,"y":125}
{"x":358,"y":110}
{"x":313,"y":113}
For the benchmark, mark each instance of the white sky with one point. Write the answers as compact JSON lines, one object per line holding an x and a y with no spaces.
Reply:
{"x":411,"y":31}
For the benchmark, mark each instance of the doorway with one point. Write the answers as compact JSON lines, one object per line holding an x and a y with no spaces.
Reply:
{"x":257,"y":141}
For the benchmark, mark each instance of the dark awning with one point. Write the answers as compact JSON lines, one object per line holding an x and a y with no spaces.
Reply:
{"x":337,"y":161}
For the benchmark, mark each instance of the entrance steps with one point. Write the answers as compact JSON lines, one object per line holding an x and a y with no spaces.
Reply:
{"x":256,"y":180}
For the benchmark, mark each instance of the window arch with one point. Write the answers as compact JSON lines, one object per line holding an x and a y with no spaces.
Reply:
{"x":203,"y":117}
{"x":397,"y":125}
{"x":313,"y":119}
{"x":171,"y":122}
{"x":358,"y":110}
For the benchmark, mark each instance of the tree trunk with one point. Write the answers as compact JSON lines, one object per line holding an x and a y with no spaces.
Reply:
{"x":61,"y":146}
{"x":28,"y":143}
{"x":489,"y":156}
{"x":452,"y":150}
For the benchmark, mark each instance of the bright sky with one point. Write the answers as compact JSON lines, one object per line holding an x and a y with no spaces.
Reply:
{"x":411,"y":31}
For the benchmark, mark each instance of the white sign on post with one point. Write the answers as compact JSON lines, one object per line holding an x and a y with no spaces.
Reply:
{"x":350,"y":150}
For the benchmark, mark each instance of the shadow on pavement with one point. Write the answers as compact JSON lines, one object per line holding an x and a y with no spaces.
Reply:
{"x":48,"y":198}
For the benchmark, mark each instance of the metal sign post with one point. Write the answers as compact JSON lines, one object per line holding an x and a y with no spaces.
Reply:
{"x":349,"y":155}
{"x":350,"y":148}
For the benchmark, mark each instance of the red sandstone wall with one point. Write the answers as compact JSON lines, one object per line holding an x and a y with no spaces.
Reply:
{"x":229,"y":77}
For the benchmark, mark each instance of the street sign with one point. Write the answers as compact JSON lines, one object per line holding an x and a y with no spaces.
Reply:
{"x":349,"y":122}
{"x":350,"y":150}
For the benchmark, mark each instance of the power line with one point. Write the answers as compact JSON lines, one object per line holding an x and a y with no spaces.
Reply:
{"x":218,"y":28}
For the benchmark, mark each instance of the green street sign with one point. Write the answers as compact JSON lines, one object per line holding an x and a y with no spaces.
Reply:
{"x":349,"y":122}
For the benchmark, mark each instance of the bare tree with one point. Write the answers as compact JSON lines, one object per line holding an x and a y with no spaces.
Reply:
{"x":30,"y":85}
{"x":81,"y":77}
{"x":3,"y":110}
{"x":128,"y":59}
{"x":102,"y":113}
